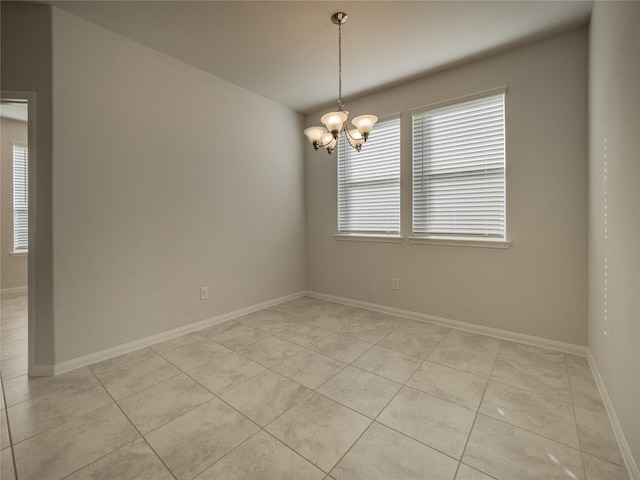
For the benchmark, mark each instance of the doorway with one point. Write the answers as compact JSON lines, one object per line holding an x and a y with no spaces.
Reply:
{"x":14,"y":237}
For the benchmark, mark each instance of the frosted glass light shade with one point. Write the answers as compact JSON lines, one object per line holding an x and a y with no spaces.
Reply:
{"x":334,"y":120}
{"x":329,"y":142}
{"x":356,"y":137}
{"x":315,"y":134}
{"x":364,"y":123}
{"x":328,"y":139}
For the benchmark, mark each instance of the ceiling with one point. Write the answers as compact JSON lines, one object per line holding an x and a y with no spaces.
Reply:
{"x":287,"y":50}
{"x":14,"y":111}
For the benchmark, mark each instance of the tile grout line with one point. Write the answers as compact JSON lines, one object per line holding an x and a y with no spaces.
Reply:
{"x":573,"y":407}
{"x":575,"y":419}
{"x":583,"y":452}
{"x":532,"y":432}
{"x":295,"y":452}
{"x":158,"y":384}
{"x":556,"y":399}
{"x":6,"y":415}
{"x":404,"y":385}
{"x":351,"y":447}
{"x":260,"y":428}
{"x":571,"y":404}
{"x":374,"y":420}
{"x":134,"y":426}
{"x":350,"y":338}
{"x":345,"y":365}
{"x":318,"y":393}
{"x":191,"y":409}
{"x":48,"y":429}
{"x":185,"y":373}
{"x":579,"y":449}
{"x":475,"y":418}
{"x":219,"y":397}
{"x":366,"y":416}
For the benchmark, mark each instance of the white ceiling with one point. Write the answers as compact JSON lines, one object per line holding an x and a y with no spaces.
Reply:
{"x":14,"y":111}
{"x":287,"y":50}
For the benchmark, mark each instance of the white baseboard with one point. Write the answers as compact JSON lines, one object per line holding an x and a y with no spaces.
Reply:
{"x":629,"y":461}
{"x":632,"y":466}
{"x":48,"y":370}
{"x":13,"y":292}
{"x":470,"y":327}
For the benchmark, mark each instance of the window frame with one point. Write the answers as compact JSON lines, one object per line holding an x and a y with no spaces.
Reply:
{"x":421,"y":235}
{"x":371,"y":234}
{"x":22,"y":218}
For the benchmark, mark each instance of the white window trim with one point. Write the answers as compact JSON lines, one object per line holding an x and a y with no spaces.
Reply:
{"x":461,"y":242}
{"x":452,"y":240}
{"x":369,"y":238}
{"x":374,"y":236}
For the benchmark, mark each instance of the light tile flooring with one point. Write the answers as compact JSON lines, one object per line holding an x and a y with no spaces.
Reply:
{"x":308,"y":390}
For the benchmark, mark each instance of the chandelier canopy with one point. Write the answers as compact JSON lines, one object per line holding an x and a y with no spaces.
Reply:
{"x":335,"y":122}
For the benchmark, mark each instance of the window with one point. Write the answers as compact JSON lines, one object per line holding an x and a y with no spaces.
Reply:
{"x":369,"y":183}
{"x":20,"y":198}
{"x":459,"y":169}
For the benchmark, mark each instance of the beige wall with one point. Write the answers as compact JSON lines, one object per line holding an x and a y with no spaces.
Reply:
{"x":13,"y":268}
{"x":539,"y":285}
{"x":26,"y":67}
{"x":614,"y":190}
{"x":166,"y":179}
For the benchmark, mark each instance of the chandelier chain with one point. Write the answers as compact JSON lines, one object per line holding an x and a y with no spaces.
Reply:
{"x":335,"y":122}
{"x":340,"y":65}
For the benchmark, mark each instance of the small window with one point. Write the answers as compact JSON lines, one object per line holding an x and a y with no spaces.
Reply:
{"x":369,"y":183}
{"x":459,"y":169}
{"x":20,"y":198}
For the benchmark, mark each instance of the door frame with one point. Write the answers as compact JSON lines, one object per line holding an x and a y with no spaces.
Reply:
{"x":30,"y":99}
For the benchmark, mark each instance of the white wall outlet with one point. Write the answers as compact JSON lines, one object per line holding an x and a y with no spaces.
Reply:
{"x":204,"y":293}
{"x":395,"y":283}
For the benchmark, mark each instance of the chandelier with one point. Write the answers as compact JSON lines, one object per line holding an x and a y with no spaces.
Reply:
{"x":335,"y":122}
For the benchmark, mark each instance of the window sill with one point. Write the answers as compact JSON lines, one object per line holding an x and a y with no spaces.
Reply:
{"x":369,"y":238}
{"x":19,"y":253}
{"x":461,"y":242}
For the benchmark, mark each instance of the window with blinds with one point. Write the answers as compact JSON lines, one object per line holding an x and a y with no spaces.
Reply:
{"x":20,"y":198}
{"x":369,"y":183}
{"x":459,"y":168}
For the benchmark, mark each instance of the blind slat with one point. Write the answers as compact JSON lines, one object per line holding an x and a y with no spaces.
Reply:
{"x":369,"y":182}
{"x":20,"y":198}
{"x":459,"y":169}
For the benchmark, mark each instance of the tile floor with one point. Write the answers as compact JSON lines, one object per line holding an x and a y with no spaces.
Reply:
{"x":308,"y":390}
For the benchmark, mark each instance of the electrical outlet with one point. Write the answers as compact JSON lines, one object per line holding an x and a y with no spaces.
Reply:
{"x":395,"y":283}
{"x":204,"y":293}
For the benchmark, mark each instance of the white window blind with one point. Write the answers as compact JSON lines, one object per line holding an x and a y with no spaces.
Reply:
{"x":369,"y":183}
{"x":20,"y":198}
{"x":459,"y":169}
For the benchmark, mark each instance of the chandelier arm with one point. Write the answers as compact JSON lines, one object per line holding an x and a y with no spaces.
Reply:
{"x":349,"y":139}
{"x":346,"y":130}
{"x":323,"y":145}
{"x":349,"y":142}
